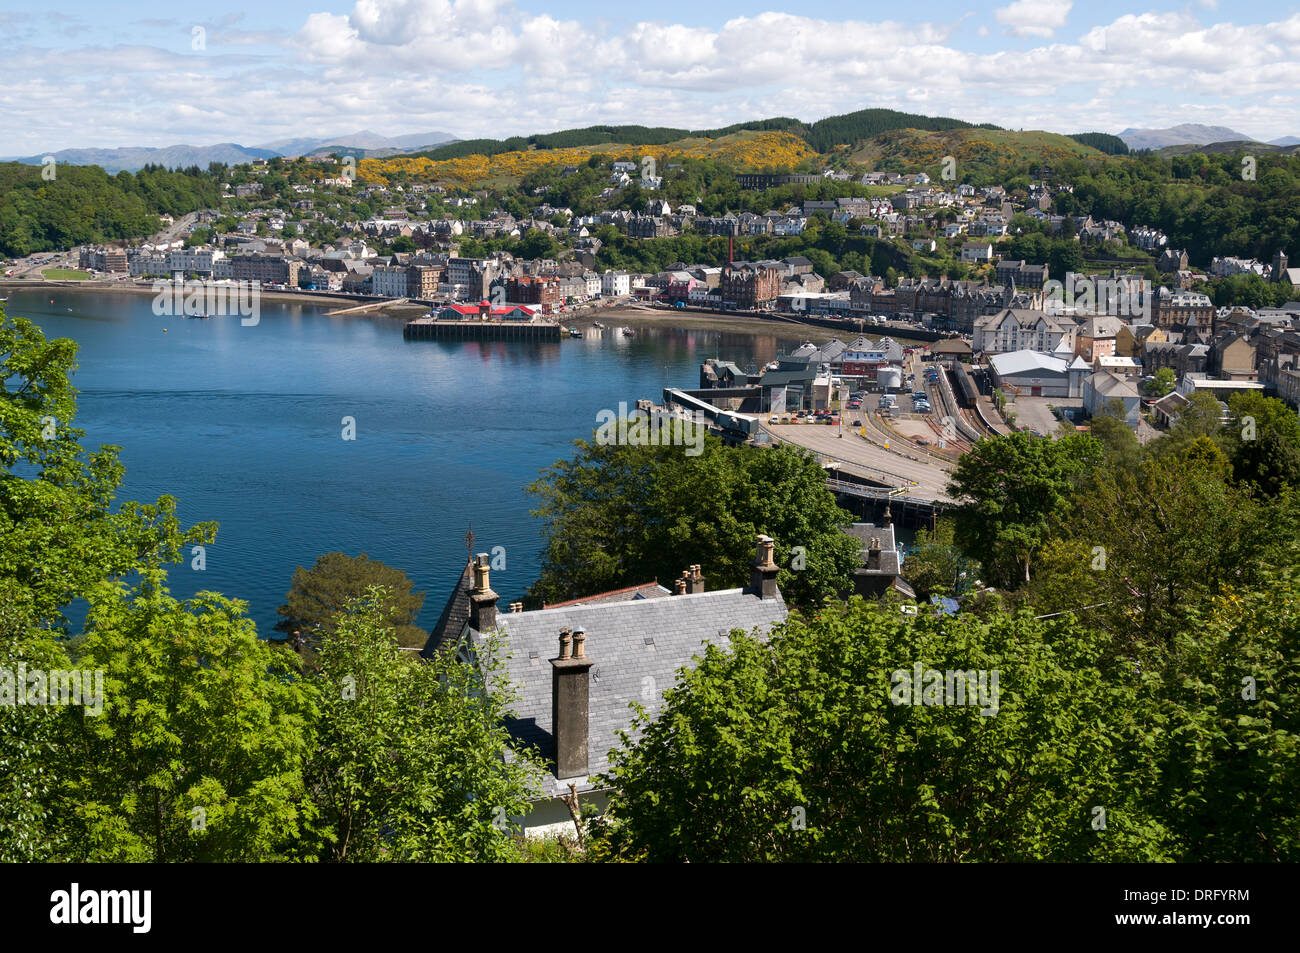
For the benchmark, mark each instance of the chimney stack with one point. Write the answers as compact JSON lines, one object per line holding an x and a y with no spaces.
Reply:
{"x":482,"y":600}
{"x":873,"y":553}
{"x":762,"y":579}
{"x":570,"y":687}
{"x":694,"y":579}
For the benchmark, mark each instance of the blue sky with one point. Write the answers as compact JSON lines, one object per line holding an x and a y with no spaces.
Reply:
{"x":97,"y":74}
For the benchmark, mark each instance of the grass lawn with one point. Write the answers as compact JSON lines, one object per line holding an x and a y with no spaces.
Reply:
{"x":65,"y":274}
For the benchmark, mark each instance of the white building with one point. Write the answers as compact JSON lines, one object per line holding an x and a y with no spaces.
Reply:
{"x":193,"y":260}
{"x":1103,"y":387}
{"x":1034,"y":374}
{"x":389,"y":281}
{"x":615,"y":283}
{"x":1016,"y":329}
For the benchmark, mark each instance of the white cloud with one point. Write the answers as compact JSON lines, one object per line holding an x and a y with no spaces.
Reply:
{"x":487,"y":68}
{"x":1034,"y":17}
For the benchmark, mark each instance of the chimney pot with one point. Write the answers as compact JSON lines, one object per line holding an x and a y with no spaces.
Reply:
{"x":481,"y":573}
{"x":579,"y":643}
{"x":762,"y":578}
{"x":680,"y":587}
{"x":516,"y":607}
{"x":564,"y":643}
{"x":482,"y":600}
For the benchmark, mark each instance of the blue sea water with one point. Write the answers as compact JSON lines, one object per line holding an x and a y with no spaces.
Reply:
{"x":244,"y":425}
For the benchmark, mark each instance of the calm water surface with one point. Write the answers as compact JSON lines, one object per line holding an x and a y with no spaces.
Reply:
{"x":244,"y":426}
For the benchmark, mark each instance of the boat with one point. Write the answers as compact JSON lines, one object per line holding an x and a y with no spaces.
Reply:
{"x":574,"y":333}
{"x":594,"y":324}
{"x":629,"y":333}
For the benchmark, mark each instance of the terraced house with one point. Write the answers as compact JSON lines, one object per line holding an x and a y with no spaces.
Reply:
{"x":752,"y":286}
{"x":1018,"y":329}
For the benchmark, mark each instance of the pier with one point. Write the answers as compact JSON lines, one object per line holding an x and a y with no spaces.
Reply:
{"x":431,"y":329}
{"x":369,"y":306}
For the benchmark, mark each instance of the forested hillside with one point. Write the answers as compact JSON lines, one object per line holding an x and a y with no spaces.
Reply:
{"x":83,"y":204}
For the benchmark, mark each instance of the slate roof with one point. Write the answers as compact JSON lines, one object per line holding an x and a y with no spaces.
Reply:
{"x":455,"y":613}
{"x":891,"y":562}
{"x":1107,"y":384}
{"x":648,"y":590}
{"x":636,"y":646}
{"x":1023,"y":362}
{"x":864,"y":532}
{"x":1101,"y":326}
{"x":950,"y":346}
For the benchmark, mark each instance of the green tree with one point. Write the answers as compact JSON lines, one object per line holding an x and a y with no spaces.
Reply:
{"x":29,"y":831}
{"x":1202,"y":417}
{"x":409,"y":762}
{"x":1232,"y":761}
{"x":935,"y":566}
{"x":1008,"y":490}
{"x":1161,"y":383}
{"x":798,"y":749}
{"x":320,"y":595}
{"x":1170,"y":532}
{"x":1112,"y":430}
{"x":197,"y":754}
{"x":618,"y":514}
{"x":1263,"y":442}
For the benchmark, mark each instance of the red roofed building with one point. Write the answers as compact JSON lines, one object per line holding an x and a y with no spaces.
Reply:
{"x":484,"y":311}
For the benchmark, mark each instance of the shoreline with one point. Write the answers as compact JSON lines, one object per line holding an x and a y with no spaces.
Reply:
{"x":616,"y":315}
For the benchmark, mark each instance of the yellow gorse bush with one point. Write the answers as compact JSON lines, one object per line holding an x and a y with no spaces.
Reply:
{"x":775,"y":150}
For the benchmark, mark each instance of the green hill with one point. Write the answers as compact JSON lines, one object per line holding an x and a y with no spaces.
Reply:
{"x":1103,"y":141}
{"x":1228,"y":148}
{"x":822,"y":135}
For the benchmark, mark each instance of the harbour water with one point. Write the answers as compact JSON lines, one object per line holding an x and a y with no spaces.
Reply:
{"x":245,"y":425}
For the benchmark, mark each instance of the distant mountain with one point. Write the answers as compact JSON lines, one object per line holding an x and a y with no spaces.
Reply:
{"x":363,"y":141}
{"x":132,"y":158}
{"x":1185,"y":134}
{"x":367,"y":144}
{"x":1228,"y":148}
{"x":1285,"y":141}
